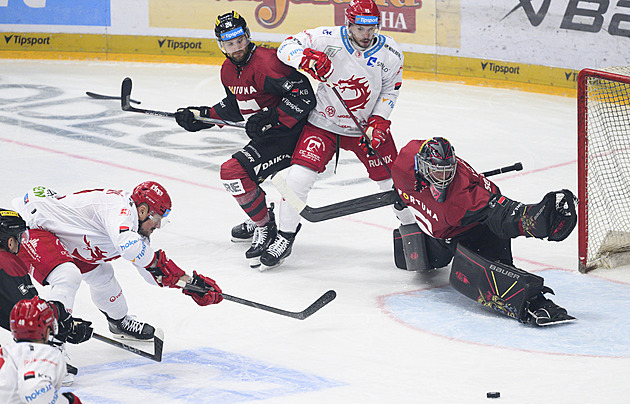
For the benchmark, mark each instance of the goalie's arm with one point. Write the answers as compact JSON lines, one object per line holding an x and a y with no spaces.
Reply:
{"x":553,"y":218}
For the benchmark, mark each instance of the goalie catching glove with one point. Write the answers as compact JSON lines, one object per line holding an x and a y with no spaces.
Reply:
{"x":213,"y":291}
{"x":377,"y":132}
{"x":188,"y":118}
{"x":316,"y":64}
{"x":553,"y":218}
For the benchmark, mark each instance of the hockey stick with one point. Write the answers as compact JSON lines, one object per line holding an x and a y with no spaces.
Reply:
{"x":300,"y":315}
{"x":364,"y":135}
{"x":158,"y":345}
{"x":107,"y":97}
{"x":355,"y":205}
{"x":125,"y":104}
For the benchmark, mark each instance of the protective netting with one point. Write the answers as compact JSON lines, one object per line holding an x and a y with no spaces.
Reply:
{"x":607,"y":138}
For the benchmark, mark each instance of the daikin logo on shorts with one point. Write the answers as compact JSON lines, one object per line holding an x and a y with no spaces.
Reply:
{"x":366,"y":19}
{"x":236,"y":32}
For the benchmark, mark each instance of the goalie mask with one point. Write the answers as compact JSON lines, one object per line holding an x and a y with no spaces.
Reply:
{"x":12,"y":225}
{"x":436,"y":164}
{"x":363,"y":21}
{"x":233,"y":37}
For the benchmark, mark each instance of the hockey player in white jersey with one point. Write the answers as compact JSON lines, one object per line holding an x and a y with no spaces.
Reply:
{"x":366,"y":69}
{"x":31,"y":371}
{"x":74,"y":237}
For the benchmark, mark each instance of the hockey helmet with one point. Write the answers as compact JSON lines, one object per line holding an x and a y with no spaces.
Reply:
{"x":230,"y":26}
{"x":436,"y":163}
{"x":30,"y":318}
{"x":362,"y":12}
{"x":154,"y":195}
{"x":12,"y":225}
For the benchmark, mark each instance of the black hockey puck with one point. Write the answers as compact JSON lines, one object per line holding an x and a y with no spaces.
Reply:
{"x":493,"y":394}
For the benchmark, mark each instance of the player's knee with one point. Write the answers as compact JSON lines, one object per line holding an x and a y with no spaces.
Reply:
{"x":101,"y":275}
{"x":232,"y":170}
{"x":67,"y":275}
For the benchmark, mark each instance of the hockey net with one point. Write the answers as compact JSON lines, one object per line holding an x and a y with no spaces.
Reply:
{"x":604,"y":167}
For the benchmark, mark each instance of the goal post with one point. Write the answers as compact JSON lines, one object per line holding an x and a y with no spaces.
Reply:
{"x":604,"y":167}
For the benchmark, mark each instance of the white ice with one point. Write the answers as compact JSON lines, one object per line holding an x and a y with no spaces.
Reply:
{"x":390,"y":336}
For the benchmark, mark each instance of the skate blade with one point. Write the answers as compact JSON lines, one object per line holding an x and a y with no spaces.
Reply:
{"x":254,"y":263}
{"x":242,"y":240}
{"x":129,"y":338}
{"x":564,"y":320}
{"x":264,"y":267}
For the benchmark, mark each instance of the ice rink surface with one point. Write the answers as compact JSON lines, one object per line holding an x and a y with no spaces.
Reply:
{"x":390,"y":336}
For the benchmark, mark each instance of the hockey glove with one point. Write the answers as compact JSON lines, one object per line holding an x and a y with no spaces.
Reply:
{"x":164,"y":271}
{"x":72,"y":399}
{"x":187,"y":118}
{"x":70,"y":329}
{"x":316,"y":64}
{"x":260,"y":122}
{"x":554,"y":217}
{"x":377,"y":131}
{"x":213,"y":294}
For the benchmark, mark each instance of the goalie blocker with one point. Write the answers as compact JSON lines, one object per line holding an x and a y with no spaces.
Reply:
{"x":506,"y":289}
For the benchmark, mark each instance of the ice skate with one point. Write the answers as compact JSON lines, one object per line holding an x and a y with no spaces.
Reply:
{"x":263,"y":237}
{"x":244,"y":232}
{"x":130,"y":328}
{"x":279,"y":249}
{"x":545,"y":312}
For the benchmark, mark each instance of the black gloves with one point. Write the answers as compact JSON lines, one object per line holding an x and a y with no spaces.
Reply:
{"x":71,"y":329}
{"x":187,"y":118}
{"x":258,"y":123}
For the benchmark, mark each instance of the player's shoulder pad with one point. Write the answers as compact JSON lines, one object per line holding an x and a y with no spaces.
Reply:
{"x":392,"y":47}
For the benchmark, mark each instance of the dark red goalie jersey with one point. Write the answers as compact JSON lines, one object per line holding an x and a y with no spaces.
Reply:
{"x":466,"y":203}
{"x":264,"y":82}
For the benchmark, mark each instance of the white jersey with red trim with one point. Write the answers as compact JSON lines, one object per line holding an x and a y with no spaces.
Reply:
{"x":368,"y":81}
{"x":95,"y":226}
{"x":31,"y":373}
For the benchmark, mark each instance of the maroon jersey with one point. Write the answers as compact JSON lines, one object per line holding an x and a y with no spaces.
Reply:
{"x":466,"y":203}
{"x":264,"y":81}
{"x":15,"y":285}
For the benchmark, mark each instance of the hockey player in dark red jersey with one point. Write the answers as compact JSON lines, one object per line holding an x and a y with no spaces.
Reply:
{"x":275,"y":99}
{"x":463,"y":216}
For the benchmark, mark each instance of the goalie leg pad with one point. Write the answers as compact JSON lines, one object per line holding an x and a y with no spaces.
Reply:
{"x":502,"y":287}
{"x":414,"y":247}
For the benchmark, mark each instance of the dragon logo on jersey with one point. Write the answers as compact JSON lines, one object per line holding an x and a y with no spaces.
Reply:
{"x":358,"y":89}
{"x":96,"y":253}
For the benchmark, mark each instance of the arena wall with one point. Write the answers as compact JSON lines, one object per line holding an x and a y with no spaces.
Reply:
{"x":535,"y":45}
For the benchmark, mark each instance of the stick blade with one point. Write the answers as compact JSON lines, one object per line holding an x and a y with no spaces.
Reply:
{"x":318,"y":304}
{"x":158,"y":345}
{"x":125,"y":94}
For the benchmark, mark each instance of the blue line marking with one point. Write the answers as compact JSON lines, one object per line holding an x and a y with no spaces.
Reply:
{"x":199,"y":375}
{"x":601,"y":306}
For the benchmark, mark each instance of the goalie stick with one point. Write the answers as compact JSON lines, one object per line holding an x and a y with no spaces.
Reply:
{"x":356,"y":205}
{"x":125,"y":104}
{"x":107,"y":97}
{"x":300,"y":315}
{"x":158,"y":345}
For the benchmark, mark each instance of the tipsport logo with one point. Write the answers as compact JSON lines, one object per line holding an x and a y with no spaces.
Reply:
{"x":24,"y":40}
{"x":500,"y":69}
{"x":182,"y":45}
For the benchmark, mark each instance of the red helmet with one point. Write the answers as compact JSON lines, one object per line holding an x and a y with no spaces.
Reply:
{"x":30,"y":318}
{"x":363,"y":12}
{"x":154,"y":195}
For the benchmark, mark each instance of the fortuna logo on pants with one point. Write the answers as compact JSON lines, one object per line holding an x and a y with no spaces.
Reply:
{"x":267,"y":164}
